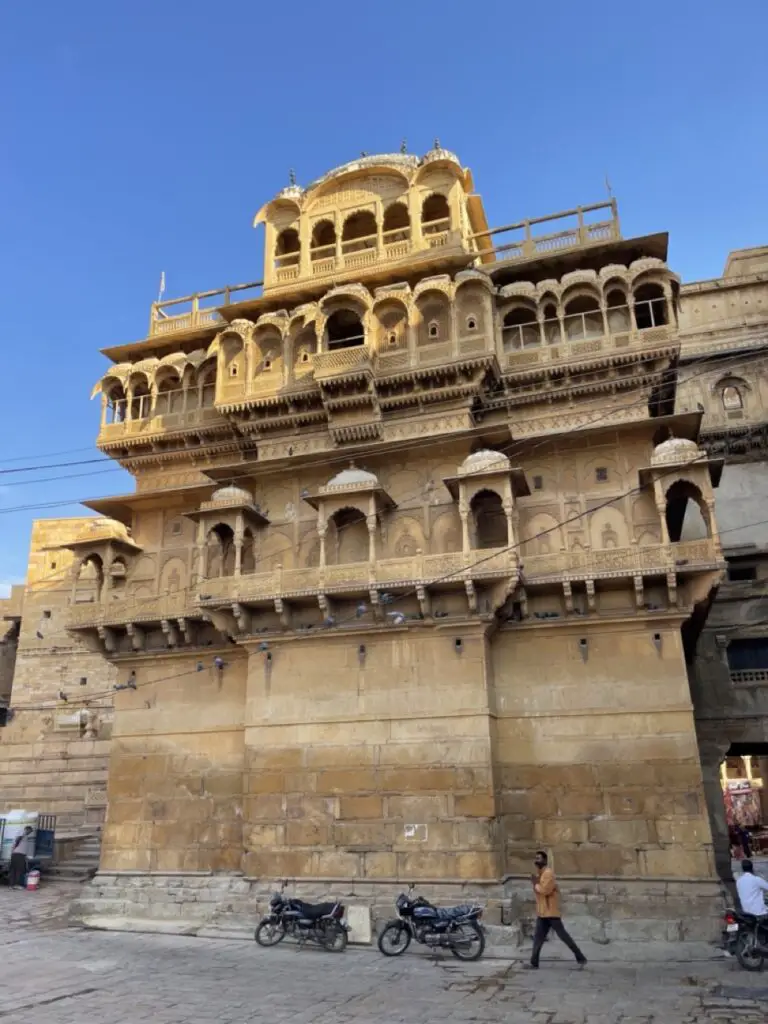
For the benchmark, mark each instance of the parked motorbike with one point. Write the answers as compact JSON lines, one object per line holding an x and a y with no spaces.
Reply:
{"x":746,"y":937}
{"x":322,"y":923}
{"x":454,"y":928}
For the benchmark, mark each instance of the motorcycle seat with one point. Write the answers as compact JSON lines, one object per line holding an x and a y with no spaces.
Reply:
{"x":451,"y":913}
{"x":313,"y":911}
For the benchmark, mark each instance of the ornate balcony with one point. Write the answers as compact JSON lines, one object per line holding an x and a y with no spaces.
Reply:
{"x":342,"y":362}
{"x":529,"y":360}
{"x":140,"y":428}
{"x":119,"y":611}
{"x":649,"y":560}
{"x":359,"y":577}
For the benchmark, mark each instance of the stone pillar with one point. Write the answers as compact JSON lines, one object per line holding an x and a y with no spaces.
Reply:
{"x":464,"y":513}
{"x":104,"y":405}
{"x":322,"y":527}
{"x":661,"y":508}
{"x":239,"y":531}
{"x":202,"y":567}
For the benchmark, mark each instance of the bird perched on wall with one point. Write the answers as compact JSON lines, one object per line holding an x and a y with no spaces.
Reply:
{"x":63,"y":696}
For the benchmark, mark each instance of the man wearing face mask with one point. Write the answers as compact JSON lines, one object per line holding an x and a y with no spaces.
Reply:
{"x":548,"y":912}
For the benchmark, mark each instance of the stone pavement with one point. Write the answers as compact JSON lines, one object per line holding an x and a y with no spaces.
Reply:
{"x":80,"y":977}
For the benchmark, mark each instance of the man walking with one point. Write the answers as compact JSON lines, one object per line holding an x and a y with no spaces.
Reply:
{"x":548,"y":912}
{"x":23,"y":848}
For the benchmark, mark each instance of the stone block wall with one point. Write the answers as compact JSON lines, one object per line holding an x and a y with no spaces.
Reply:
{"x":595,"y":752}
{"x":46,"y":763}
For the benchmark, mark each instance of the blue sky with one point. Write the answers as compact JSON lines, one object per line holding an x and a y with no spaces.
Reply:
{"x":142,"y":136}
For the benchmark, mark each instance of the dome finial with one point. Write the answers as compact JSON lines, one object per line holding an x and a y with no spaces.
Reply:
{"x":437,"y":144}
{"x":291,"y":177}
{"x":404,"y":146}
{"x":363,"y":152}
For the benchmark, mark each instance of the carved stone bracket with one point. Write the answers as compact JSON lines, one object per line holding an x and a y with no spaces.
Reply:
{"x":171,"y":631}
{"x":242,"y":617}
{"x":639,"y":591}
{"x":378,"y":611}
{"x":137,"y":635}
{"x":568,"y":595}
{"x":469,"y":586}
{"x":672,"y":588}
{"x":187,"y":630}
{"x":425,"y":601}
{"x":108,"y":638}
{"x":283,"y":609}
{"x":590,"y":584}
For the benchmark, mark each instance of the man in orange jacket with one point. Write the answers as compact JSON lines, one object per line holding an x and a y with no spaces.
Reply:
{"x":548,"y":912}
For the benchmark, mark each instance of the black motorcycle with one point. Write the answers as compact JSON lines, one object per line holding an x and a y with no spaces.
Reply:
{"x":746,"y":937}
{"x":322,"y":923}
{"x":454,"y":928}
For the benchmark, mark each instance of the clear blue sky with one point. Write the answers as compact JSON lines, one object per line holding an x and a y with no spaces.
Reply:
{"x":142,"y":136}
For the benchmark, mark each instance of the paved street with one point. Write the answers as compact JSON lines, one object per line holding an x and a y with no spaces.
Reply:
{"x":75,"y":977}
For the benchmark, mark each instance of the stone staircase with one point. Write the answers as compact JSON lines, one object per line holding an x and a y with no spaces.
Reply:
{"x":80,"y":860}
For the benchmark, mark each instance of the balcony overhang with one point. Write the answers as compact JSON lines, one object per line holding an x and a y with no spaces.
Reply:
{"x":88,"y":544}
{"x":210,"y":509}
{"x":353,"y":493}
{"x":122,"y":506}
{"x":650,"y":473}
{"x":582,"y":257}
{"x":520,"y":487}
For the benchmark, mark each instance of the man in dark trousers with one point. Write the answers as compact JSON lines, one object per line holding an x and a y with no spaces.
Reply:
{"x":548,"y":912}
{"x":23,"y":848}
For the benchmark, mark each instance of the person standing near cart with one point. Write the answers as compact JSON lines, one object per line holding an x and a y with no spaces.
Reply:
{"x":22,"y":850}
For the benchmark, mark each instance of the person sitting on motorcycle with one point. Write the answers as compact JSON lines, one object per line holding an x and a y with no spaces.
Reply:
{"x":750,"y":888}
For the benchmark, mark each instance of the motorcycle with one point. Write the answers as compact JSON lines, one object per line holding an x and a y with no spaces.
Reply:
{"x":322,"y":923}
{"x":454,"y":928}
{"x":746,"y":937}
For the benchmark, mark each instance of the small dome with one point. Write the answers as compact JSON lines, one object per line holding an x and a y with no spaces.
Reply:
{"x":676,"y":449}
{"x":353,"y":476}
{"x":294,"y":192}
{"x":231,"y":495}
{"x":438,"y":153}
{"x":484,"y":461}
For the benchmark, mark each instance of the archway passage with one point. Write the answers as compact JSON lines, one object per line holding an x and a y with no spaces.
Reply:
{"x":359,"y":232}
{"x":349,"y":539}
{"x":397,"y":223}
{"x":344,"y":329}
{"x":687,"y":509}
{"x":323,"y":243}
{"x":744,"y":785}
{"x":287,"y":248}
{"x":220,"y":545}
{"x":435,"y":214}
{"x":89,"y":585}
{"x":490,"y":522}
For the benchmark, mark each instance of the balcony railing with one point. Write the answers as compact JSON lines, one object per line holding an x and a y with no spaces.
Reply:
{"x":343,"y":361}
{"x":649,"y":559}
{"x":532,"y":245}
{"x":354,"y":577}
{"x":122,"y":429}
{"x":749,"y":676}
{"x":117,"y":611}
{"x":198,"y":310}
{"x":529,"y":354}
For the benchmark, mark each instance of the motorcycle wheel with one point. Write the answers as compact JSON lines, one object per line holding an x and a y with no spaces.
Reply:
{"x":476,"y":939}
{"x":747,"y":955}
{"x":269,"y":932}
{"x":334,"y":938}
{"x":394,"y":939}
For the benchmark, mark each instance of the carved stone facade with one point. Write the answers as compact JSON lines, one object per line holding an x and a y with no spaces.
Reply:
{"x":402,"y":591}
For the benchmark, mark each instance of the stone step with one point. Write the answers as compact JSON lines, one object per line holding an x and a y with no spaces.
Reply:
{"x":68,"y":872}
